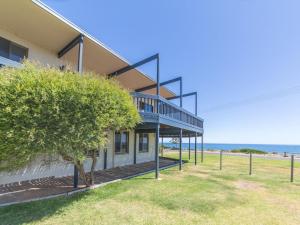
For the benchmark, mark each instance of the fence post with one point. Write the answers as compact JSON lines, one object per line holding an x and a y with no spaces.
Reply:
{"x":292,"y":168}
{"x":250,"y":165}
{"x":221,"y":156}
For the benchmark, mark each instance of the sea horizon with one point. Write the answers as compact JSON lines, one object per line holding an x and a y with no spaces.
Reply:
{"x":271,"y":148}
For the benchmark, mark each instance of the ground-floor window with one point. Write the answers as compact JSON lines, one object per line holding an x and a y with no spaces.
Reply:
{"x":143,"y":142}
{"x":121,"y":142}
{"x":90,"y":153}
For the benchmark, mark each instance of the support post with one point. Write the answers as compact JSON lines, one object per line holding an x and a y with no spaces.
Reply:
{"x":79,"y":69}
{"x":162,"y":146}
{"x":189,"y":147}
{"x":180,"y":99}
{"x":250,"y":163}
{"x":157,"y":151}
{"x":221,"y":159}
{"x":105,"y":159}
{"x":134,"y":148}
{"x":202,"y":149}
{"x":292,"y":167}
{"x":180,"y":150}
{"x":158,"y":125}
{"x":75,"y":179}
{"x":80,"y":55}
{"x":157,"y":78}
{"x":195,"y":148}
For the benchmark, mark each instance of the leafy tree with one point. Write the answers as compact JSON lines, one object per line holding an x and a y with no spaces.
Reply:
{"x":47,"y":111}
{"x":174,"y":141}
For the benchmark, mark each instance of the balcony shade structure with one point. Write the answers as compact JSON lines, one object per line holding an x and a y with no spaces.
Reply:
{"x":159,"y":115}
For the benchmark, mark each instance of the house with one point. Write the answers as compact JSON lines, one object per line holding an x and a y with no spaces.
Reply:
{"x":30,"y":29}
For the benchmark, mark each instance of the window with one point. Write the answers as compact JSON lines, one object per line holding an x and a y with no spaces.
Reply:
{"x":143,"y":142}
{"x":122,"y":142}
{"x":90,"y":153}
{"x":12,"y":51}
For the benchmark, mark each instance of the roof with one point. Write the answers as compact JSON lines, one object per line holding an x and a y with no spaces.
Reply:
{"x":41,"y":25}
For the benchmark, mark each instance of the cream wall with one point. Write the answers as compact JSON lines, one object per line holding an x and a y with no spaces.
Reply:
{"x":39,"y":169}
{"x":146,"y":156}
{"x":46,"y":57}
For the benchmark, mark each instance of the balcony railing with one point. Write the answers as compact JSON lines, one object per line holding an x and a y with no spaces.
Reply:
{"x":148,"y":104}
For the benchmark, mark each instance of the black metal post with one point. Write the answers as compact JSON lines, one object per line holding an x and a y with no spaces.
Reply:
{"x":149,"y":87}
{"x":196,"y":103}
{"x":180,"y":150}
{"x":221,"y":159}
{"x":80,"y":55}
{"x":133,"y":66}
{"x":157,"y":152}
{"x":189,"y":147}
{"x":157,"y":78}
{"x":195,"y":148}
{"x":158,"y":125}
{"x":250,"y":163}
{"x":75,"y":179}
{"x":180,"y":92}
{"x":292,"y":167}
{"x":79,"y":69}
{"x":162,"y":146}
{"x":105,"y":159}
{"x":134,"y":148}
{"x":202,"y":149}
{"x":187,"y":95}
{"x":180,"y":98}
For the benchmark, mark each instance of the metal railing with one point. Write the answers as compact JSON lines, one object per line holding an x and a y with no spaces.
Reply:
{"x":148,"y":104}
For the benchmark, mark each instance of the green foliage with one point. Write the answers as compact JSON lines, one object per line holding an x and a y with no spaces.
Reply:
{"x":44,"y":110}
{"x":248,"y":151}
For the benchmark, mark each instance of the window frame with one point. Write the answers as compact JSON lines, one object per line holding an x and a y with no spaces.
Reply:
{"x":141,"y":137}
{"x":122,"y":151}
{"x":12,"y":44}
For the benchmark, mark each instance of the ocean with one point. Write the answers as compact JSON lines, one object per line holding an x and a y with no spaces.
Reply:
{"x":227,"y":147}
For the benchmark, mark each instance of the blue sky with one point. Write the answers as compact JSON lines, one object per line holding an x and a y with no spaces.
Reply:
{"x":242,"y":56}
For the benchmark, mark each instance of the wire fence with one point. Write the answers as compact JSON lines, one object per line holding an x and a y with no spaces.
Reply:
{"x":292,"y":158}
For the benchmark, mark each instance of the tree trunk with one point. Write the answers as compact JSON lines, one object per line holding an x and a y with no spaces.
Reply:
{"x":94,"y":162}
{"x":81,"y":171}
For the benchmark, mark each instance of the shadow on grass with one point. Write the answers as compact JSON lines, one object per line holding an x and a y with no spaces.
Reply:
{"x":38,"y":210}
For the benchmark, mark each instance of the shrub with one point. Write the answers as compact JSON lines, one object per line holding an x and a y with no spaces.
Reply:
{"x":248,"y":151}
{"x":47,"y":111}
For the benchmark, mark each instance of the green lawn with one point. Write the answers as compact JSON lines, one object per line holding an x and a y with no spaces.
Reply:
{"x":199,"y":195}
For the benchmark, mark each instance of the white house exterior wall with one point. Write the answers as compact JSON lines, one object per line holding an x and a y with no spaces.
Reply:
{"x":40,"y":169}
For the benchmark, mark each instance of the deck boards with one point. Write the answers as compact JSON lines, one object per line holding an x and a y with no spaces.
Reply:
{"x":51,"y":186}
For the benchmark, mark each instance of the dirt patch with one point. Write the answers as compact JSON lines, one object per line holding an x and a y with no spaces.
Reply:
{"x":247,"y":185}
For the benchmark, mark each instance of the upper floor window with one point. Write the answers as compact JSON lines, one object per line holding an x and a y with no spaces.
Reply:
{"x":122,"y":142}
{"x":143,"y":142}
{"x":12,"y":51}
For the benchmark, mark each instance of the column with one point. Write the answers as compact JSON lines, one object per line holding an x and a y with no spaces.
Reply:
{"x":180,"y":150}
{"x":157,"y":151}
{"x":196,"y":148}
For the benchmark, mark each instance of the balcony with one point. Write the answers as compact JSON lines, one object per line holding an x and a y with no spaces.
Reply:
{"x":166,"y":113}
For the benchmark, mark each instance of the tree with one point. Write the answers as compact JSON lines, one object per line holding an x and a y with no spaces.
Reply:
{"x":47,"y":111}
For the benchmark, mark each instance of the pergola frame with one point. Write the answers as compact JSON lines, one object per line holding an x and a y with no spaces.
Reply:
{"x":187,"y":95}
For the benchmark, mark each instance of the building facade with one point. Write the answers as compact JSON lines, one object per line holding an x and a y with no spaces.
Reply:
{"x":30,"y":29}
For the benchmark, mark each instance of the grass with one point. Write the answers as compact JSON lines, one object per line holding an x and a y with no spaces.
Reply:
{"x":200,"y":194}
